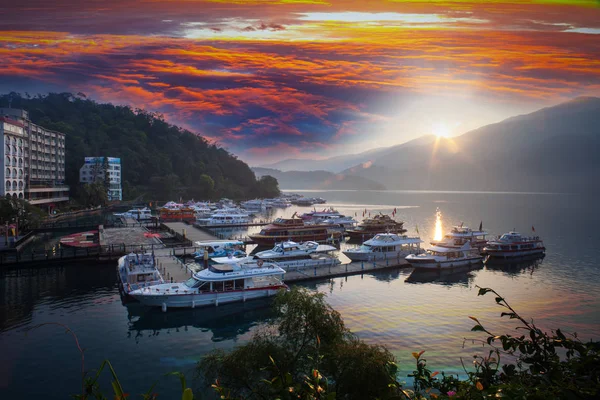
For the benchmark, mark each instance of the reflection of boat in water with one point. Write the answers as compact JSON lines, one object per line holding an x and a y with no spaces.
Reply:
{"x":513,"y":245}
{"x":226,"y":322}
{"x":449,"y":277}
{"x":514,"y":266}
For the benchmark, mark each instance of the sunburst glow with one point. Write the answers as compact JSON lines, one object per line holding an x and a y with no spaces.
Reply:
{"x":441,"y":130}
{"x":438,"y":225}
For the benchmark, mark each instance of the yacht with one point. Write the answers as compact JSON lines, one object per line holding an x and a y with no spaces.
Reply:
{"x":372,"y":226}
{"x":136,"y":271}
{"x":459,"y":235}
{"x":293,"y":229}
{"x":437,"y":257}
{"x":254,"y":205}
{"x":280,"y":203}
{"x":385,"y":246}
{"x":217,"y":284}
{"x":218,"y":248}
{"x":512,"y":244}
{"x":292,"y":255}
{"x":137,"y":214}
{"x":230,"y":216}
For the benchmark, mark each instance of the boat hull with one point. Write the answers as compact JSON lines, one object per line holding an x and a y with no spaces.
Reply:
{"x":515,"y":253}
{"x":368,"y":256}
{"x":207,"y":298}
{"x":432,"y":264}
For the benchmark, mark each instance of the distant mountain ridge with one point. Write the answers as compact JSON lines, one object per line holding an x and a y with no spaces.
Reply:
{"x":302,"y":180}
{"x":338,"y":164}
{"x":553,"y":149}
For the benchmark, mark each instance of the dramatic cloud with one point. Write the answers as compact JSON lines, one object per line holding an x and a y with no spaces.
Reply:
{"x":272,"y":79}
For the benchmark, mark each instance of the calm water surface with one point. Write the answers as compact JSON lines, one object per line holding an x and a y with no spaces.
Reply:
{"x":404,"y":311}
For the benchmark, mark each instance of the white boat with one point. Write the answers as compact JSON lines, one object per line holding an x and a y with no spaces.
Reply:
{"x":139,"y":214}
{"x":385,"y":246}
{"x":218,"y":284}
{"x":292,"y":249}
{"x":254,"y":205}
{"x":290,"y":255}
{"x":437,"y":257}
{"x":136,"y":271}
{"x":279,"y":203}
{"x":459,"y":235}
{"x":512,"y":244}
{"x":225,"y":217}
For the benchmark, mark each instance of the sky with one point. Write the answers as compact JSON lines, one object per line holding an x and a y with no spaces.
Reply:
{"x":276,"y":79}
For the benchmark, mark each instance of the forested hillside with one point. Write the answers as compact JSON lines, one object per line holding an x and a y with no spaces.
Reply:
{"x":159,"y":161}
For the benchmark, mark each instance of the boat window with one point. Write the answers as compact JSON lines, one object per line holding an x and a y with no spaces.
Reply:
{"x":192,"y":283}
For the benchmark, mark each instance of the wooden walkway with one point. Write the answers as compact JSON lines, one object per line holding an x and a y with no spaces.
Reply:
{"x":189,"y":231}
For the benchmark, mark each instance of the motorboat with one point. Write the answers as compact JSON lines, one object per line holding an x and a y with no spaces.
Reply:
{"x":290,"y":254}
{"x":137,"y":271}
{"x":217,"y":284}
{"x":293,"y":249}
{"x":372,"y":226}
{"x":512,"y":244}
{"x":293,"y":229}
{"x":437,"y":257}
{"x":459,"y":235}
{"x":230,"y":216}
{"x":139,"y":214}
{"x":279,"y":203}
{"x":385,"y":246}
{"x":218,"y":248}
{"x":320,"y":215}
{"x":254,"y":205}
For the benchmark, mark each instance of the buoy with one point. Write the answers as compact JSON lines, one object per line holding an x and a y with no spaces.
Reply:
{"x":164,"y":307}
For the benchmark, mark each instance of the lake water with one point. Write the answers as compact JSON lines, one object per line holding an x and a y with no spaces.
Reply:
{"x":404,"y":312}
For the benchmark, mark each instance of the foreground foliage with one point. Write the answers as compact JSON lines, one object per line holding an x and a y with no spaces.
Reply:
{"x":160,"y":160}
{"x":307,"y":353}
{"x":19,"y":212}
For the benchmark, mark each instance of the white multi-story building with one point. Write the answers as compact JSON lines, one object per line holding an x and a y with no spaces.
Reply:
{"x":33,"y":160}
{"x":95,"y":169}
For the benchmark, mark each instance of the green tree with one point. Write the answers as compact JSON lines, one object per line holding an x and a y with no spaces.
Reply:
{"x":306,"y":336}
{"x":17,"y":210}
{"x":105,"y":169}
{"x":93,"y":194}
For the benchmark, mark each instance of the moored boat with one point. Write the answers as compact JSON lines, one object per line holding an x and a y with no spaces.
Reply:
{"x":139,"y":214}
{"x":372,"y":226}
{"x":217,"y":284}
{"x":459,"y":235}
{"x":293,"y":229}
{"x":385,"y":246}
{"x":436,"y":257}
{"x":136,"y":271}
{"x":512,"y":245}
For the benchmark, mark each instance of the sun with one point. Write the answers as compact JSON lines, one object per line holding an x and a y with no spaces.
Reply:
{"x":441,"y":130}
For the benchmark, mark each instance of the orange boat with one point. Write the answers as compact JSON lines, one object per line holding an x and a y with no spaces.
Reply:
{"x":177,"y":214}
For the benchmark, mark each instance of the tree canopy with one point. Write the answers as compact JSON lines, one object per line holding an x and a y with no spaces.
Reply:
{"x":159,"y":160}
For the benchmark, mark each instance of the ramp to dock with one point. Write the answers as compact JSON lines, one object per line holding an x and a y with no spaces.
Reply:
{"x":189,"y":231}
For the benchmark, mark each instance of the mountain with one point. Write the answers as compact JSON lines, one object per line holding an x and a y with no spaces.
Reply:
{"x":340,"y":163}
{"x":159,"y":160}
{"x":302,"y":180}
{"x":552,"y":149}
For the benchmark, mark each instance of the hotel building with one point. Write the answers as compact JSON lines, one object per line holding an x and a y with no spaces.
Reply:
{"x":33,"y":160}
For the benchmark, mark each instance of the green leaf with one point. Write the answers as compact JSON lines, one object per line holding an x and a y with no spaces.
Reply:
{"x":187,"y":394}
